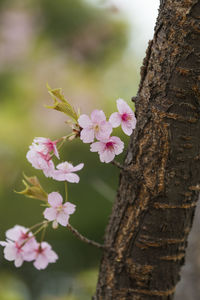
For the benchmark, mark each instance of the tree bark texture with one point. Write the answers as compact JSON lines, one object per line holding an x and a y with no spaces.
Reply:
{"x":153,"y":213}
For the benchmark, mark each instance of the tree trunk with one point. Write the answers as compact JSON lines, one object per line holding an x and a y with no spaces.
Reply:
{"x":152,"y":215}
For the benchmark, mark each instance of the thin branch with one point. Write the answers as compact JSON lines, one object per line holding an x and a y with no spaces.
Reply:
{"x":84,"y":239}
{"x":118,"y":165}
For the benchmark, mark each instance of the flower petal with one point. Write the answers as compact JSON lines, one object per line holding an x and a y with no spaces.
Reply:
{"x":69,"y":208}
{"x":115,"y":119}
{"x":104,"y":132}
{"x":59,"y":175}
{"x":3,"y":243}
{"x":123,"y":107}
{"x":65,"y":166}
{"x":107,"y":156}
{"x":84,"y":121}
{"x":78,"y":167}
{"x":71,"y":177}
{"x":55,"y":199}
{"x":118,"y":145}
{"x":98,"y":116}
{"x":62,"y":218}
{"x":41,"y":262}
{"x":87,"y":135}
{"x":50,"y":213}
{"x":127,"y":128}
{"x":97,"y":147}
{"x":52,"y":256}
{"x":10,"y":251}
{"x":16,"y":232}
{"x":55,"y":151}
{"x":18,"y":261}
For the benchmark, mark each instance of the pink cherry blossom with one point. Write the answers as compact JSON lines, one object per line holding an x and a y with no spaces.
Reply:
{"x":48,"y":145}
{"x":108,"y":148}
{"x":40,"y":159}
{"x":125,"y":117}
{"x":18,"y":233}
{"x":44,"y":255}
{"x":18,"y":241}
{"x":65,"y":172}
{"x":58,"y":212}
{"x":13,"y":252}
{"x":95,"y":126}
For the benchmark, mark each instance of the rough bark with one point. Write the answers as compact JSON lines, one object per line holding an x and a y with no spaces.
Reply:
{"x":152,"y":215}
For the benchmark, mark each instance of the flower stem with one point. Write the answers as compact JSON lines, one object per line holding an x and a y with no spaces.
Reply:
{"x":39,"y":229}
{"x":66,"y":191}
{"x":36,"y":225}
{"x":63,"y":140}
{"x":84,"y":239}
{"x":43,"y":232}
{"x":44,"y":225}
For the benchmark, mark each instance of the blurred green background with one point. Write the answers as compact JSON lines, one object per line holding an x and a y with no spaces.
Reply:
{"x":82,"y":48}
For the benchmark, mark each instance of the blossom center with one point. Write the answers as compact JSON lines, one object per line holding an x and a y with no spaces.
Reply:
{"x":109,"y":145}
{"x":96,"y":128}
{"x":24,"y":236}
{"x":59,"y":208}
{"x":19,"y":247}
{"x":125,"y":117}
{"x":40,"y":250}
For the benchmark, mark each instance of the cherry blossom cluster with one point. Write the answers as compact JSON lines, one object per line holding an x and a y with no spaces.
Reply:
{"x":40,"y":156}
{"x":21,"y":244}
{"x":97,"y":127}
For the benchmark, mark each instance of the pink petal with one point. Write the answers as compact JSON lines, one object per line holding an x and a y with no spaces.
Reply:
{"x":48,"y":252}
{"x":58,"y":175}
{"x":45,"y":246}
{"x":78,"y":167}
{"x":50,"y":213}
{"x":15,"y":233}
{"x":65,"y":166}
{"x":30,"y":250}
{"x":48,"y":167}
{"x":104,"y":131}
{"x":3,"y":243}
{"x":84,"y":121}
{"x":10,"y":251}
{"x":55,"y":199}
{"x":62,"y":218}
{"x":133,"y":121}
{"x":41,"y":140}
{"x":51,"y":255}
{"x":97,"y":147}
{"x":115,"y":119}
{"x":71,"y":177}
{"x":18,"y":261}
{"x":87,"y":135}
{"x":41,"y":262}
{"x":98,"y":116}
{"x":127,"y":128}
{"x":123,"y":107}
{"x":32,"y":158}
{"x":118,"y":145}
{"x":107,"y":156}
{"x":69,"y":208}
{"x":56,"y":151}
{"x":29,"y":255}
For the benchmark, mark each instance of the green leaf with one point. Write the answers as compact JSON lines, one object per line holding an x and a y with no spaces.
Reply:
{"x":61,"y":104}
{"x":33,"y":189}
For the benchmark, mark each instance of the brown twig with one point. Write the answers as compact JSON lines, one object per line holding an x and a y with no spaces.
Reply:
{"x":118,"y":165}
{"x":84,"y":239}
